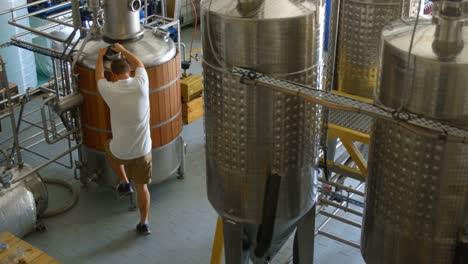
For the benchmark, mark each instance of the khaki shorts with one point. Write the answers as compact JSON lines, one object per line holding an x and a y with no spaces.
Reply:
{"x":138,"y":170}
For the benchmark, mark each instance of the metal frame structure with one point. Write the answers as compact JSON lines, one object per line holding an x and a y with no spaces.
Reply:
{"x":59,"y":87}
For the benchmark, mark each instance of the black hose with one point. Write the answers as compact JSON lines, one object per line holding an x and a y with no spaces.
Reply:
{"x":74,"y":192}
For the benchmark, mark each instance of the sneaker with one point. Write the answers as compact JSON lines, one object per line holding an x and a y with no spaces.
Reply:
{"x":124,"y":189}
{"x":143,"y":229}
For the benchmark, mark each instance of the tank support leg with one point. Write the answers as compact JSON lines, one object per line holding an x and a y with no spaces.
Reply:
{"x":233,"y":243}
{"x":305,"y":238}
{"x":183,"y":152}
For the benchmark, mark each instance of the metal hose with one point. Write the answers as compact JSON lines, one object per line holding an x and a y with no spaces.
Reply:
{"x":67,"y":207}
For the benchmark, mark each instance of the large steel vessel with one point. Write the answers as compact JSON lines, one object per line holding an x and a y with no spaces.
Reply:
{"x":261,"y":145}
{"x":360,"y":26}
{"x":417,"y":189}
{"x":159,"y":54}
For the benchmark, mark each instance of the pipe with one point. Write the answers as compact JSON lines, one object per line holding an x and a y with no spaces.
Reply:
{"x":41,"y":28}
{"x":46,"y":130}
{"x":163,"y":8}
{"x":46,"y":158}
{"x":37,"y":32}
{"x":339,"y":239}
{"x":77,"y":23}
{"x":340,"y":186}
{"x":341,"y":219}
{"x":4,"y":83}
{"x":319,"y":230}
{"x":344,"y":208}
{"x":41,"y":11}
{"x":46,"y":163}
{"x":59,"y":14}
{"x":332,"y":43}
{"x":23,"y":6}
{"x":64,"y":22}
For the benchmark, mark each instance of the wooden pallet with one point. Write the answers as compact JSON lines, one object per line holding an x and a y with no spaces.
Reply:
{"x":20,"y":252}
{"x":192,"y":110}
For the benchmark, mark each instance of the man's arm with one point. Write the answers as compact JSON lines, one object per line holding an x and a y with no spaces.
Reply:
{"x":100,"y":65}
{"x":131,"y":58}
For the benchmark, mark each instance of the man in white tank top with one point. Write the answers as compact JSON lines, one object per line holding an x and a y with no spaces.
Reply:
{"x":129,"y":150}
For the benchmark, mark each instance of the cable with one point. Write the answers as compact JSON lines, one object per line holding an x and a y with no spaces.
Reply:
{"x":195,"y":31}
{"x":413,"y":34}
{"x":67,"y":207}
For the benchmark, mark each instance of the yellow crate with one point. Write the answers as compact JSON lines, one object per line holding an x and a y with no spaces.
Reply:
{"x":191,"y":87}
{"x":192,"y":110}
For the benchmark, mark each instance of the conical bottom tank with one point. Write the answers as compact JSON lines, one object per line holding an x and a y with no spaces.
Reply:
{"x":252,"y":134}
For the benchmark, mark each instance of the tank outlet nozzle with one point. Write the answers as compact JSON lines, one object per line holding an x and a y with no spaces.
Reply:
{"x":134,"y":5}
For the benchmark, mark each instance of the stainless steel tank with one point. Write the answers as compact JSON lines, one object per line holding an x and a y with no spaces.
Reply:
{"x":122,"y":20}
{"x":360,"y":26}
{"x":253,"y":134}
{"x":417,"y":190}
{"x":160,"y":57}
{"x":22,"y":202}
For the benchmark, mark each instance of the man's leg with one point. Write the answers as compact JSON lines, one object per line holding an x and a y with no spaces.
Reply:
{"x":143,"y":201}
{"x":119,"y":169}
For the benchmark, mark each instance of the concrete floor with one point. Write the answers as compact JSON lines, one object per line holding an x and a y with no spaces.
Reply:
{"x":100,"y":229}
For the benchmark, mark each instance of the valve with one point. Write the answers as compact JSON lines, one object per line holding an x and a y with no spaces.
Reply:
{"x":6,"y":177}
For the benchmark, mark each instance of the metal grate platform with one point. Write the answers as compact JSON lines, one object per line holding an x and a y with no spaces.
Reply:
{"x":358,"y":122}
{"x":417,"y":124}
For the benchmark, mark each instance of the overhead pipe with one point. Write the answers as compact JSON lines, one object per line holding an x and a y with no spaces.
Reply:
{"x":23,"y":6}
{"x":41,"y":11}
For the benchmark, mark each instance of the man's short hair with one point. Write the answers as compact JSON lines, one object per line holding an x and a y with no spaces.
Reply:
{"x":119,"y":66}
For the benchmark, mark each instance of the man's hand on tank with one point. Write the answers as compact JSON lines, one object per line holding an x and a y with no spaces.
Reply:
{"x":118,"y":47}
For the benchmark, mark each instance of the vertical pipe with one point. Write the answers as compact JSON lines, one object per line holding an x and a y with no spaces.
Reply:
{"x":4,"y":83}
{"x":334,"y":7}
{"x":77,"y":23}
{"x":163,"y":8}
